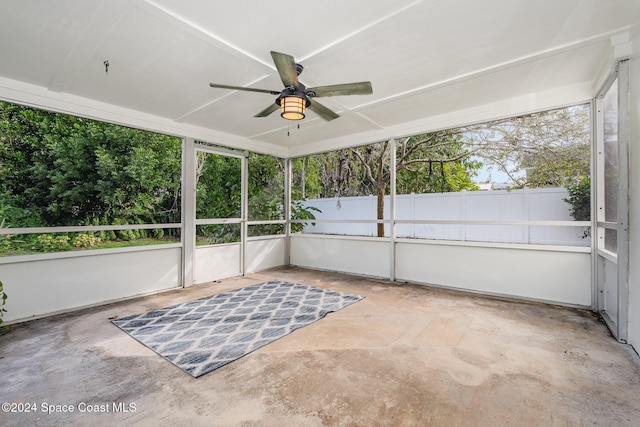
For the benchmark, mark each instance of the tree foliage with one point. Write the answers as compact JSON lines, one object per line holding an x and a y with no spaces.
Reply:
{"x":553,"y":147}
{"x":219,"y":194}
{"x":307,"y":181}
{"x":580,"y":199}
{"x":57,"y":169}
{"x":435,"y":162}
{"x":218,"y":186}
{"x":61,"y":170}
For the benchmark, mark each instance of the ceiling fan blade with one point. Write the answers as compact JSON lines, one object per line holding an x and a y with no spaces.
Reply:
{"x":270,"y":109}
{"x":359,"y":88}
{"x":322,"y":111}
{"x":286,"y":66}
{"x":248,"y":89}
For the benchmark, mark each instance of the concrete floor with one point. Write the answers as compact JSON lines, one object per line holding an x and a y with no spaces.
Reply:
{"x":404,"y":356}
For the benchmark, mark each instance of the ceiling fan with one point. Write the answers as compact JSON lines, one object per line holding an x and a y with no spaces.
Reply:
{"x":295,"y":97}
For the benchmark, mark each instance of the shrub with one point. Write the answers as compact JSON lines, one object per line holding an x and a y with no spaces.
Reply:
{"x":6,"y":243}
{"x":51,"y":243}
{"x":85,"y":240}
{"x":126,"y":234}
{"x":300,"y":211}
{"x":579,"y":201}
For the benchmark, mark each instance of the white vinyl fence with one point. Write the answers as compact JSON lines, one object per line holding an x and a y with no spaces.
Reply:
{"x":542,"y":204}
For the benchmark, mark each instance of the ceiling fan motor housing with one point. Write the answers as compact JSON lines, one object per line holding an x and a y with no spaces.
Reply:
{"x":296,"y":92}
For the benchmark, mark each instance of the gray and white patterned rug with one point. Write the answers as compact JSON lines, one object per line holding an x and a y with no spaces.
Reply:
{"x":203,"y":335}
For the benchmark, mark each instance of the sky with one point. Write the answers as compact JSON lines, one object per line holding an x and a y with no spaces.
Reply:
{"x":497,"y":176}
{"x":494,"y":173}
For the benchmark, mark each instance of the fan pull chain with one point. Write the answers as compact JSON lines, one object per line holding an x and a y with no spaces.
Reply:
{"x":289,"y":129}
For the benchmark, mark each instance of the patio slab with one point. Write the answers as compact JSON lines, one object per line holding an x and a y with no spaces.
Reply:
{"x":405,"y":355}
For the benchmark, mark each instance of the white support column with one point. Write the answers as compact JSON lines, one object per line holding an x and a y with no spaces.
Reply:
{"x":597,"y":302}
{"x":392,"y":211}
{"x":188,"y":211}
{"x":288,"y":176}
{"x":244,"y":208}
{"x":623,"y":200}
{"x":597,"y":186}
{"x":634,"y":194}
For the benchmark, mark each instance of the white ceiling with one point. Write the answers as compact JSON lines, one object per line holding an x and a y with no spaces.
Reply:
{"x":432,"y":63}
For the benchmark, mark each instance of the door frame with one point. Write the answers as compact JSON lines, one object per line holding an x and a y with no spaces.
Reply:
{"x":618,"y":323}
{"x":191,"y":148}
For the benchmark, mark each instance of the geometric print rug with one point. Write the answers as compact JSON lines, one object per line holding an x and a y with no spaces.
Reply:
{"x":203,"y":335}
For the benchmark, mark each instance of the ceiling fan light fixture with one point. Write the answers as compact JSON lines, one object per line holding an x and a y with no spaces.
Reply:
{"x":294,"y":99}
{"x":292,"y":107}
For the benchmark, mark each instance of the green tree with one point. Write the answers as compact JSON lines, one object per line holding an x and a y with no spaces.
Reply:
{"x":579,"y":201}
{"x":219,"y":196}
{"x":437,"y":162}
{"x":265,"y":187}
{"x":434,"y":162}
{"x":218,"y":186}
{"x":57,"y":169}
{"x":552,"y":146}
{"x":306,"y":178}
